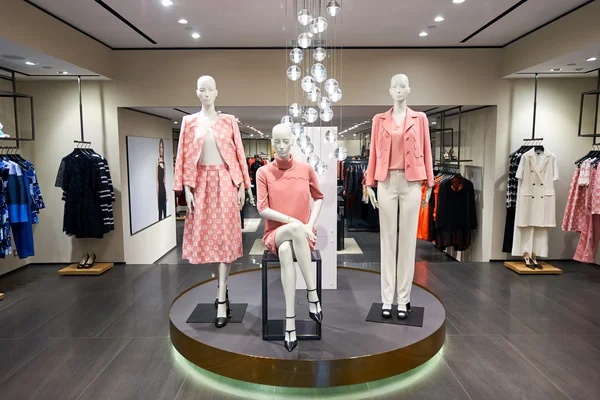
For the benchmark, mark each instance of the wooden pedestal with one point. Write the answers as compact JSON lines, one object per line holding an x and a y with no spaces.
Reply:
{"x":520,"y":268}
{"x":97,"y":269}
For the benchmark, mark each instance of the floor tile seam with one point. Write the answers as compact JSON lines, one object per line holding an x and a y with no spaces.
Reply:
{"x":184,"y":380}
{"x":470,"y":265}
{"x":16,"y":302}
{"x":568,"y":311}
{"x":579,"y":336}
{"x":534,"y":366}
{"x":452,"y":323}
{"x":103,"y":369}
{"x":122,"y":312}
{"x":502,"y":308}
{"x":52,"y":341}
{"x":54,"y":315}
{"x":456,"y":377}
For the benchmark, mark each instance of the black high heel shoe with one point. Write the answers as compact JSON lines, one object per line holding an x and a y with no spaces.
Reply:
{"x":83,"y":261}
{"x":317,"y":316}
{"x":222,"y":321}
{"x":226,"y":297}
{"x":290,"y":344}
{"x":89,"y":263}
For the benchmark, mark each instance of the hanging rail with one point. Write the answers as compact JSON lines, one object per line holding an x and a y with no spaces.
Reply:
{"x":596,"y":93}
{"x":15,"y":96}
{"x":82,"y":141}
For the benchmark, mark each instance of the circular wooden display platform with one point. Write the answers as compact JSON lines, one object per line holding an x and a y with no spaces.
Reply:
{"x":351,"y":350}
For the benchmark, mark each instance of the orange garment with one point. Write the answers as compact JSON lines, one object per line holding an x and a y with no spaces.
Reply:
{"x":423,"y":229}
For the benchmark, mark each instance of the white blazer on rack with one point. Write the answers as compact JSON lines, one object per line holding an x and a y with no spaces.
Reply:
{"x":536,"y":201}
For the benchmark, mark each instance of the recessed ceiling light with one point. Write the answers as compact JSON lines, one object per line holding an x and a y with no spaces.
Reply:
{"x":458,"y":1}
{"x":196,"y":35}
{"x":183,"y":21}
{"x":62,"y":72}
{"x":47,"y":67}
{"x":175,"y":122}
{"x":571,"y":64}
{"x":591,"y":59}
{"x":166,"y":3}
{"x":251,"y":135}
{"x":439,"y":18}
{"x":30,"y":63}
{"x":556,"y":69}
{"x":422,"y":34}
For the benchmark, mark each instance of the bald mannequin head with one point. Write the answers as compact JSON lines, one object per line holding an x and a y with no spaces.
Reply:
{"x":399,"y":88}
{"x":283,"y":140}
{"x":206,"y":90}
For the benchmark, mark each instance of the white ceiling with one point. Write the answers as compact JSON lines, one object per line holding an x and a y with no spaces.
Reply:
{"x":272,"y":23}
{"x":265,"y":118}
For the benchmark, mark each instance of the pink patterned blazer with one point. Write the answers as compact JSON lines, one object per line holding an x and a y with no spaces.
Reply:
{"x":418,"y":163}
{"x":229,"y":141}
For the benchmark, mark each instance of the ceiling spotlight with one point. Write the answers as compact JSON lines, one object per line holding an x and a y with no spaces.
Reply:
{"x":333,"y":8}
{"x":458,"y":1}
{"x":183,"y":21}
{"x":251,"y":135}
{"x":30,"y":63}
{"x":47,"y":67}
{"x":423,"y":34}
{"x":556,"y":69}
{"x":175,"y":122}
{"x":62,"y":72}
{"x":591,"y":59}
{"x":196,"y":35}
{"x":166,"y":3}
{"x":439,"y":18}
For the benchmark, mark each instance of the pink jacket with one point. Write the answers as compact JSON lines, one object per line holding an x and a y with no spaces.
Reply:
{"x":418,"y":163}
{"x":228,"y":138}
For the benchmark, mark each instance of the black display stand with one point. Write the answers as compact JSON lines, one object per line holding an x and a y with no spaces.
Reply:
{"x":415,"y":316}
{"x":206,"y":313}
{"x":274,"y":329}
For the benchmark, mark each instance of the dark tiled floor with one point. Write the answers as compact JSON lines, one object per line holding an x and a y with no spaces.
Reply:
{"x":106,"y":337}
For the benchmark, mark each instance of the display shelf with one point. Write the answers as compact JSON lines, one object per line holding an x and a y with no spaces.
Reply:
{"x":520,"y":268}
{"x":97,"y":269}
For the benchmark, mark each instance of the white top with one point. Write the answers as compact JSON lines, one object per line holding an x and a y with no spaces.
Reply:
{"x":210,"y":151}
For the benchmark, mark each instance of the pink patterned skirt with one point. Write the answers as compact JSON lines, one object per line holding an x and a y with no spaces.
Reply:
{"x":213,"y":231}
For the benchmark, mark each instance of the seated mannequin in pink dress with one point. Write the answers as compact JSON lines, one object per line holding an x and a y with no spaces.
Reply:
{"x":285,"y":189}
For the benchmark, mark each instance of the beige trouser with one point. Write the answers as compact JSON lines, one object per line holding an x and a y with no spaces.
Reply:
{"x":392,"y":193}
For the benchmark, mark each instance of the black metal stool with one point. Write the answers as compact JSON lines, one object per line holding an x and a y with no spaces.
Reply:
{"x":275,"y":329}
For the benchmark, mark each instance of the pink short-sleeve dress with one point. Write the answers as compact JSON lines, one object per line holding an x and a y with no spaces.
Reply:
{"x":286,"y":186}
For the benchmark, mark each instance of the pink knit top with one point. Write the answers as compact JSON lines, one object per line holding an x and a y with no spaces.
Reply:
{"x":397,"y":150}
{"x":286,"y":186}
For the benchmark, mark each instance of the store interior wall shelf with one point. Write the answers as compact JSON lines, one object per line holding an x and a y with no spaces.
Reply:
{"x":96,"y":269}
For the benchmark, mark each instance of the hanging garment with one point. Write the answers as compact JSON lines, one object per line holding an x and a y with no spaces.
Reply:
{"x":88,"y":194}
{"x":359,"y":215}
{"x":456,"y":214}
{"x":536,"y":201}
{"x":590,"y":218}
{"x":19,"y":210}
{"x":575,"y":210}
{"x":286,"y":186}
{"x":511,"y":200}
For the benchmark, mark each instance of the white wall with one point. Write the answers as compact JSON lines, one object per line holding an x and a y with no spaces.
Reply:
{"x":557,"y":123}
{"x":353,"y":146}
{"x":150,"y":244}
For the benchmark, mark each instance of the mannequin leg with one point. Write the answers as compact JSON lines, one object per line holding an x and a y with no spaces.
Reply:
{"x":294,"y":232}
{"x":410,"y":201}
{"x":288,"y":280}
{"x":388,"y":235}
{"x":224,"y":270}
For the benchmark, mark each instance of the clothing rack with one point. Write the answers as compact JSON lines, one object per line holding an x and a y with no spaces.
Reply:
{"x":16,"y":96}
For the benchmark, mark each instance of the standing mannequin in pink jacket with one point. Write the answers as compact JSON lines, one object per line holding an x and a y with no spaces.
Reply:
{"x":400,"y":158}
{"x":211,"y":168}
{"x":285,"y":189}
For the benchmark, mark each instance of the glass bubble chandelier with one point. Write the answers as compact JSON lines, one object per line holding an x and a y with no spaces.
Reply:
{"x":311,"y":71}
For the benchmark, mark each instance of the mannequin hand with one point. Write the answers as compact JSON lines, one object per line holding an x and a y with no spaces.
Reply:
{"x":427,"y":197}
{"x":241,"y":197}
{"x":372,"y":197}
{"x":189,"y":199}
{"x":310,"y":235}
{"x":252,"y":203}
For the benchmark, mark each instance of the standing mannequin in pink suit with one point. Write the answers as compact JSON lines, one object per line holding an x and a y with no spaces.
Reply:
{"x":211,"y":168}
{"x":400,"y":159}
{"x":285,"y":188}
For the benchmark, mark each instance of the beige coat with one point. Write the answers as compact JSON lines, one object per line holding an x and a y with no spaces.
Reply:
{"x":536,"y":201}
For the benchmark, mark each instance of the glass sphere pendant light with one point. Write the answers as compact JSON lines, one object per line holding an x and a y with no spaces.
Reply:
{"x":294,"y":73}
{"x":333,"y":8}
{"x":295,"y":110}
{"x":304,"y":40}
{"x":311,"y":115}
{"x":331,"y":85}
{"x":308,"y":84}
{"x":319,"y":72}
{"x":304,"y":17}
{"x":319,"y":54}
{"x":296,"y":55}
